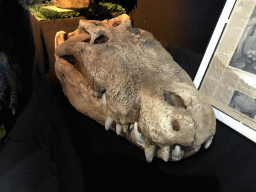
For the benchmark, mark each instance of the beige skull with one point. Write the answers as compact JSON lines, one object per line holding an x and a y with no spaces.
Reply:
{"x":124,"y":79}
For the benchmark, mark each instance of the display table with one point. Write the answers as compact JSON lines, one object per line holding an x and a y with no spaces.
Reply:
{"x":44,"y":33}
{"x":85,"y":152}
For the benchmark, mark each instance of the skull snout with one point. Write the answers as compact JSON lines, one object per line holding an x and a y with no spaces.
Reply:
{"x":125,"y":80}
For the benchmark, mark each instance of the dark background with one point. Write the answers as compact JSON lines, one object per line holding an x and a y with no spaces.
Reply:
{"x":185,"y":23}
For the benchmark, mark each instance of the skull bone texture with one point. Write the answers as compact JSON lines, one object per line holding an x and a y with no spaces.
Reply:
{"x":124,"y":79}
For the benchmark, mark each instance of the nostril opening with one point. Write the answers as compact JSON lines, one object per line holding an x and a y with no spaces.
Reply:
{"x":101,"y":39}
{"x":175,"y":125}
{"x":72,"y":60}
{"x":167,"y":97}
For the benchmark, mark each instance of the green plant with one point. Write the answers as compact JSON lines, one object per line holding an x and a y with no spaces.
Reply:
{"x":105,"y":7}
{"x":101,"y":8}
{"x":48,"y":3}
{"x":38,"y":10}
{"x":110,"y":7}
{"x":2,"y":131}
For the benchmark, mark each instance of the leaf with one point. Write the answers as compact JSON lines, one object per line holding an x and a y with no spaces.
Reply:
{"x":2,"y":131}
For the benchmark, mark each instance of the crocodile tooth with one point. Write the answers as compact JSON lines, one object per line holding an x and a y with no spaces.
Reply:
{"x":208,"y":143}
{"x":108,"y":122}
{"x":98,"y":94}
{"x":125,"y":128}
{"x":176,"y":152}
{"x":104,"y":101}
{"x":118,"y":129}
{"x":149,"y":152}
{"x":137,"y":134}
{"x":165,"y":153}
{"x":131,"y":126}
{"x":92,"y":93}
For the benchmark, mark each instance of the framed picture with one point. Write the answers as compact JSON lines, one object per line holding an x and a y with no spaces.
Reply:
{"x":227,"y":74}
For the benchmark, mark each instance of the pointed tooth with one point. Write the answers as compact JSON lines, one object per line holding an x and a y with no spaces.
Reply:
{"x":97,"y":94}
{"x":118,"y":129}
{"x":108,"y":122}
{"x":165,"y":153}
{"x":131,"y":126}
{"x":149,"y":152}
{"x":208,"y":143}
{"x":136,"y":125}
{"x":176,"y":152}
{"x":125,"y":128}
{"x":137,"y":134}
{"x":104,"y":99}
{"x":92,"y":93}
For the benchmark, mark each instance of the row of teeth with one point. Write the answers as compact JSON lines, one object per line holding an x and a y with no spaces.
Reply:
{"x":164,"y":152}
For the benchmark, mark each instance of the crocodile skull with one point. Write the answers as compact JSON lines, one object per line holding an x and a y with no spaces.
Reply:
{"x":124,"y":79}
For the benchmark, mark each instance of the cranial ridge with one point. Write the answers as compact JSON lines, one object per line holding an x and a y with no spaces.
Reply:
{"x":124,"y":79}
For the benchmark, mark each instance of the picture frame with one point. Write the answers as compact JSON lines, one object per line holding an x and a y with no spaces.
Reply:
{"x":227,"y":73}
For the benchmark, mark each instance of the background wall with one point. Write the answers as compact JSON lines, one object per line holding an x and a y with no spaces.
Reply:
{"x":185,"y":23}
{"x":28,"y":2}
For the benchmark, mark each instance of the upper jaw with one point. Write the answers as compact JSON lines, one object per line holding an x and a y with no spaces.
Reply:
{"x":174,"y":152}
{"x":135,"y":132}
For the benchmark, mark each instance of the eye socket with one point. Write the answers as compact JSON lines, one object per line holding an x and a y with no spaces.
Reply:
{"x":174,"y":99}
{"x":87,"y":40}
{"x":134,"y":30}
{"x":116,"y":23}
{"x":137,"y":31}
{"x":101,"y":39}
{"x":72,"y":60}
{"x":69,"y":58}
{"x":83,"y":30}
{"x":98,"y":23}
